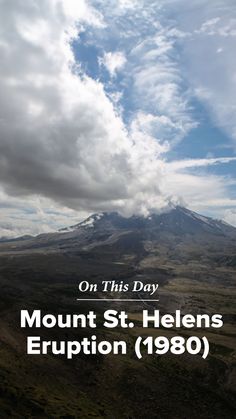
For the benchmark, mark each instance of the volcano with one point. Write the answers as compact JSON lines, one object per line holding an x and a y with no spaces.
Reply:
{"x":134,"y":235}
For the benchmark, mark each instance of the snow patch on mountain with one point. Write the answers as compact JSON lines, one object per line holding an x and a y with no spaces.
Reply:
{"x":87,"y":223}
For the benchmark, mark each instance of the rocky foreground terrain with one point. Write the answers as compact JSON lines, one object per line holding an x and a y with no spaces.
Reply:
{"x":191,"y":257}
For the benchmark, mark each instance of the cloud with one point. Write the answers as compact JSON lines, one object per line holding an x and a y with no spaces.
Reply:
{"x":201,"y":192}
{"x":158,"y":81}
{"x":128,"y":4}
{"x":61,"y":137}
{"x":193,"y":163}
{"x":113,"y":62}
{"x":217,"y":26}
{"x":208,"y":26}
{"x":207,"y":58}
{"x":152,"y":78}
{"x":230,"y":216}
{"x":65,"y":149}
{"x":33,"y":215}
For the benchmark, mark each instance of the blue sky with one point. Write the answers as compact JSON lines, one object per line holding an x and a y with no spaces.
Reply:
{"x":123,"y":105}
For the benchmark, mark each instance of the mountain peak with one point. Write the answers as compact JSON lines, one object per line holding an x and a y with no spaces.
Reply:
{"x":131,"y":234}
{"x":175,"y":220}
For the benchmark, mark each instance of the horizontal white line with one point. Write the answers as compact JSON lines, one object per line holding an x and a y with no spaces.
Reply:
{"x":110,"y":299}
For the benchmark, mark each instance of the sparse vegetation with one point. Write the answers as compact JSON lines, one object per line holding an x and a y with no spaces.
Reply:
{"x":191,"y":278}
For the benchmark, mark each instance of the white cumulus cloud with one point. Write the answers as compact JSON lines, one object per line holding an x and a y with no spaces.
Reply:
{"x":113,"y":61}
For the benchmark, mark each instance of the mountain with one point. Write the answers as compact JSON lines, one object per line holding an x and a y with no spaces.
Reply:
{"x":136,"y":235}
{"x":192,"y":259}
{"x":178,"y":220}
